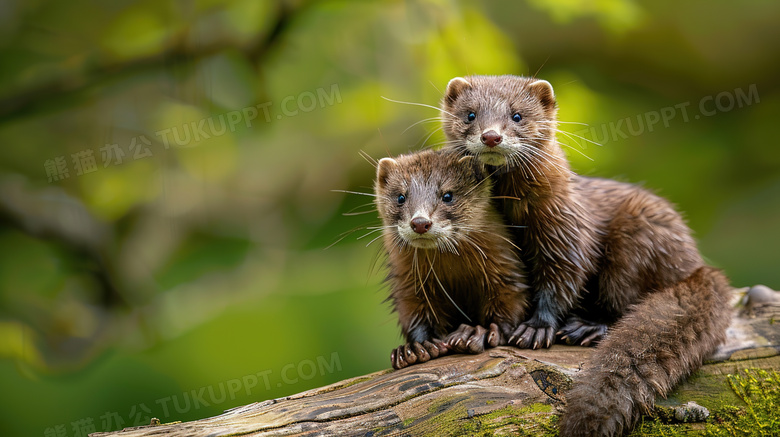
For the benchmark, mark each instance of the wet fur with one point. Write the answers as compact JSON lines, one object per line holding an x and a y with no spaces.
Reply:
{"x":473,"y":270}
{"x":599,"y":249}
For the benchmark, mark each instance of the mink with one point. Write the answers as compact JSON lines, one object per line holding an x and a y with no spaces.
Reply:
{"x":598,"y":253}
{"x":450,"y":258}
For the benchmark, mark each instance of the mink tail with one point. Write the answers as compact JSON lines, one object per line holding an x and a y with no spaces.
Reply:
{"x":657,"y":344}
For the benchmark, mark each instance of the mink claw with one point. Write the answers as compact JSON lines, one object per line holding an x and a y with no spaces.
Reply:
{"x":494,"y":336}
{"x":459,"y":339}
{"x":413,"y":353}
{"x":397,"y":358}
{"x":421,"y":353}
{"x":582,"y":332}
{"x":528,"y":337}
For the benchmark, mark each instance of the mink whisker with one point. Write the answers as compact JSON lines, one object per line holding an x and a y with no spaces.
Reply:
{"x":344,"y":235}
{"x":448,"y":295}
{"x":422,"y":283}
{"x":421,"y":104}
{"x":471,"y":241}
{"x":368,"y":158}
{"x":354,"y":192}
{"x":369,"y":243}
{"x":353,"y":211}
{"x":369,"y":233}
{"x":430,"y":135}
{"x":576,"y":150}
{"x":572,"y":134}
{"x":425,"y":120}
{"x":350,"y":214}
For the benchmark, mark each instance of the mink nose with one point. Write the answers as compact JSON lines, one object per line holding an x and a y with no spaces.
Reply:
{"x":491,"y":138}
{"x":421,"y":225}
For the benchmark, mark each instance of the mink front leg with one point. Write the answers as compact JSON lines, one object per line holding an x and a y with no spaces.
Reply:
{"x":539,"y":330}
{"x":556,"y":294}
{"x":503,"y":312}
{"x":414,"y":316}
{"x":420,"y":348}
{"x":416,"y":352}
{"x":474,"y":339}
{"x":560,"y":242}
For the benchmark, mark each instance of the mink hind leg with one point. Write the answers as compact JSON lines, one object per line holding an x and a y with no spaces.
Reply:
{"x":580,"y":331}
{"x":668,"y":255}
{"x":588,"y":323}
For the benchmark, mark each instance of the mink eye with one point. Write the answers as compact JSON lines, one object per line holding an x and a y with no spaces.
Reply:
{"x":471,"y":117}
{"x":401,"y":199}
{"x":447,"y":198}
{"x":517,"y":117}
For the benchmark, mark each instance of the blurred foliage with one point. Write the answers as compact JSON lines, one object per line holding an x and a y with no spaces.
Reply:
{"x":184,"y":249}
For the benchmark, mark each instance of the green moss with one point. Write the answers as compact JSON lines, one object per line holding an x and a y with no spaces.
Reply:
{"x":511,"y":420}
{"x":705,"y":388}
{"x":534,"y":420}
{"x":441,"y":406}
{"x":759,"y":391}
{"x":655,"y":427}
{"x":450,"y":417}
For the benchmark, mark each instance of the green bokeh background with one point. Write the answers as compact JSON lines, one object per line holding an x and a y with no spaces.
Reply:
{"x":214,"y":249}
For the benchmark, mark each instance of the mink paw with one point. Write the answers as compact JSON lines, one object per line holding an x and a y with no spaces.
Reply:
{"x":411,"y":353}
{"x":473,"y":339}
{"x":527,"y":336}
{"x":582,"y":332}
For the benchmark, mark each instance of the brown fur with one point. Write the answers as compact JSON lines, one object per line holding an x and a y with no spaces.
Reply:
{"x":596,"y":248}
{"x":474,"y":267}
{"x":656,"y":344}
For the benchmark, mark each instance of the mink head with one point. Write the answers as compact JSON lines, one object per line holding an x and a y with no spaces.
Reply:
{"x":500,"y":119}
{"x":431,"y":200}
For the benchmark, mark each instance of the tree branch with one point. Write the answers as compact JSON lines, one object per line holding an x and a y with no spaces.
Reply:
{"x":64,"y":92}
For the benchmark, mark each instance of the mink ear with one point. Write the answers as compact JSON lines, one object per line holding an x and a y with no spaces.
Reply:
{"x":383,"y":169}
{"x":455,"y":88}
{"x":543,"y":91}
